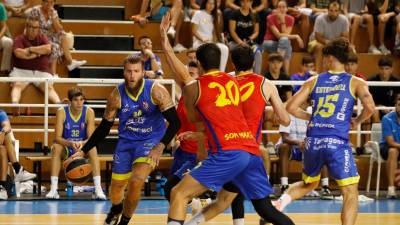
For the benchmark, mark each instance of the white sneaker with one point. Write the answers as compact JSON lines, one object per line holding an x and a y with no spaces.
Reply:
{"x":391,"y":194}
{"x":99,"y":194}
{"x":75,"y":64}
{"x":171,"y":32}
{"x":179,"y":48}
{"x":23,"y":175}
{"x":270,"y":147}
{"x":3,"y":193}
{"x":53,"y":194}
{"x":198,"y":204}
{"x":384,"y":50}
{"x":374,"y":50}
{"x":313,"y":193}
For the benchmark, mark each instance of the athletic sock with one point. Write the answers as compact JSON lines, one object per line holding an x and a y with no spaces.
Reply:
{"x":285,"y":200}
{"x":238,"y":221}
{"x":54,"y":183}
{"x":325,"y":181}
{"x":284,"y":181}
{"x":97,"y":182}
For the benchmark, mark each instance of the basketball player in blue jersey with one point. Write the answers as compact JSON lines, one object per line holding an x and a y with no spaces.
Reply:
{"x":141,"y":106}
{"x":74,"y":124}
{"x":333,"y":95}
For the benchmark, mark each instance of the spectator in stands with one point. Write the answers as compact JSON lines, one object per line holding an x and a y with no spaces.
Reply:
{"x":18,"y":8}
{"x":390,"y":146}
{"x":156,"y":9}
{"x":327,"y":27}
{"x":383,"y":96}
{"x":307,"y":70}
{"x":244,"y":29}
{"x":317,"y":7}
{"x":152,"y":63}
{"x":297,"y":9}
{"x":291,"y":146}
{"x":51,"y":27}
{"x":351,"y":66}
{"x":7,"y":151}
{"x":206,"y":28}
{"x":358,"y":15}
{"x":191,"y":55}
{"x":259,"y":7}
{"x":384,"y":12}
{"x":31,"y":53}
{"x":278,"y":35}
{"x":5,"y":43}
{"x":74,"y":125}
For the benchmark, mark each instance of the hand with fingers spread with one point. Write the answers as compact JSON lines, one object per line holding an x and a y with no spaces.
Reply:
{"x":156,"y":152}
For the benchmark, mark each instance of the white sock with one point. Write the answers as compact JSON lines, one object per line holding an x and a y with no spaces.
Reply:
{"x":97,"y":181}
{"x":54,"y":183}
{"x":284,"y":181}
{"x":238,"y":221}
{"x":285,"y":200}
{"x":325,"y":181}
{"x":173,"y":223}
{"x":195,"y":220}
{"x":391,"y":189}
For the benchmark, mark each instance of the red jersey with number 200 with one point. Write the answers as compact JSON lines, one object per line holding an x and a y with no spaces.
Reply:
{"x":253,"y":100}
{"x":221,"y":110}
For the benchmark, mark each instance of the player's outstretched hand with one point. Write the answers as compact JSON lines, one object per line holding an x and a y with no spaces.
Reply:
{"x":156,"y":153}
{"x":190,"y":136}
{"x":164,"y":25}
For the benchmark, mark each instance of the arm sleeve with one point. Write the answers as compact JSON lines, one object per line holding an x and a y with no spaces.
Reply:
{"x":173,"y":125}
{"x":98,"y":135}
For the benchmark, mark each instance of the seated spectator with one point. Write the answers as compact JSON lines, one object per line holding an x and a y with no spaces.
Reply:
{"x":317,"y":7}
{"x":51,"y":27}
{"x":74,"y":125}
{"x":278,"y":35}
{"x":291,"y":147}
{"x":307,"y":70}
{"x":358,"y":15}
{"x":389,"y":146}
{"x":351,"y":66}
{"x":7,"y":152}
{"x":383,"y":95}
{"x":206,"y":28}
{"x":384,"y":13}
{"x":191,"y":55}
{"x":152,"y":63}
{"x":243,"y":30}
{"x":259,"y":7}
{"x":31,"y":53}
{"x":327,"y":27}
{"x":5,"y":43}
{"x":18,"y":8}
{"x":297,"y":9}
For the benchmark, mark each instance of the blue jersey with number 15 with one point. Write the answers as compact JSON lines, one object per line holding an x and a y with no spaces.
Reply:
{"x":332,"y":103}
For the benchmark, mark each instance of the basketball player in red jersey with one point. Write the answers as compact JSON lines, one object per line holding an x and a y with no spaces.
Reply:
{"x":215,"y":98}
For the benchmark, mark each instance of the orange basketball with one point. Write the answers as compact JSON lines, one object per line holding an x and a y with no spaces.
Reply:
{"x":77,"y":170}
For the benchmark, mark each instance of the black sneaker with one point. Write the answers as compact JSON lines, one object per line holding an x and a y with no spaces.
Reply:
{"x":262,"y":222}
{"x":112,"y":219}
{"x":326,"y":193}
{"x":284,"y":188}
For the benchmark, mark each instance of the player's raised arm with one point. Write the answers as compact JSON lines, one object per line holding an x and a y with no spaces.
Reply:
{"x":294,"y":103}
{"x":180,"y":72}
{"x":271,"y":92}
{"x":113,"y":104}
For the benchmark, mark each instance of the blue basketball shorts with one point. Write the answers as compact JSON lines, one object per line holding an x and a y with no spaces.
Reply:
{"x":333,"y":152}
{"x":129,"y":152}
{"x":243,"y":169}
{"x":295,"y":153}
{"x":183,"y":161}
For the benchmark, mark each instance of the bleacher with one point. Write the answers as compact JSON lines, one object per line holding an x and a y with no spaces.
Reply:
{"x":104,"y":37}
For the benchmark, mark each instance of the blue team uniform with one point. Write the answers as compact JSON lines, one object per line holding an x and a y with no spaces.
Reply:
{"x":74,"y":128}
{"x":327,"y":139}
{"x":141,"y":127}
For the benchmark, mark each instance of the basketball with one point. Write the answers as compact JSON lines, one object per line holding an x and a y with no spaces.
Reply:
{"x":77,"y":170}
